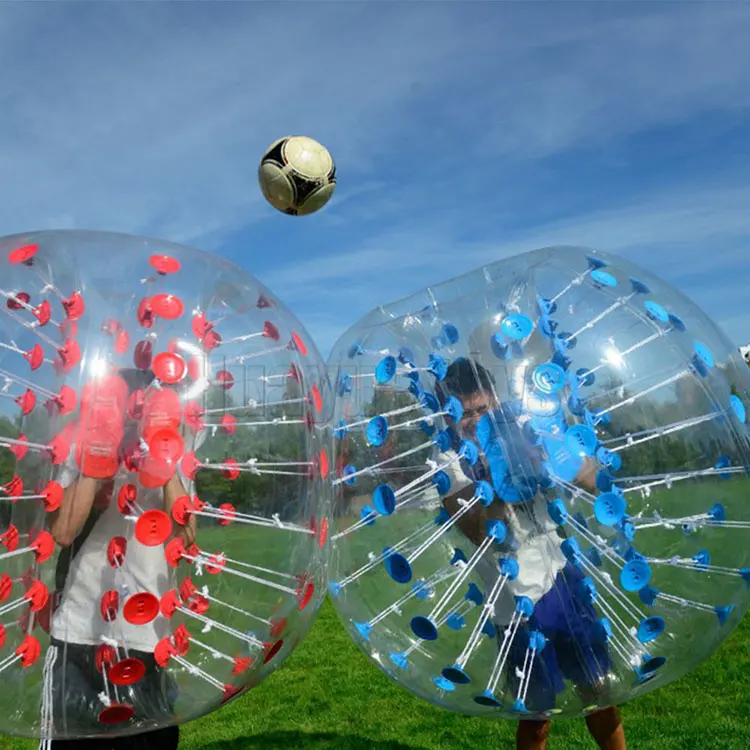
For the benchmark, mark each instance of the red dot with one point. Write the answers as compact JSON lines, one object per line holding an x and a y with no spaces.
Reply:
{"x":126,"y":496}
{"x":29,"y":651}
{"x":141,"y":608}
{"x":201,"y":326}
{"x":142,"y":355}
{"x":6,"y":585}
{"x":35,"y":357}
{"x":167,"y":306}
{"x":43,"y":312}
{"x":193,"y":415}
{"x":18,"y":300}
{"x":168,"y":367}
{"x":229,"y":424}
{"x":306,"y":594}
{"x":108,"y":605}
{"x":23,"y":254}
{"x":153,"y":528}
{"x":117,"y":713}
{"x":126,"y":672}
{"x":105,"y":657}
{"x":145,"y":313}
{"x":211,"y":340}
{"x":74,"y":306}
{"x":275,"y":648}
{"x":166,"y":446}
{"x":164,"y":264}
{"x":116,"y":550}
{"x":317,"y":399}
{"x":299,"y":344}
{"x":270,"y":331}
{"x":53,"y":496}
{"x":224,"y":379}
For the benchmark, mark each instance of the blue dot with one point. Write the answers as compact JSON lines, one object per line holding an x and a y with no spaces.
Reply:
{"x":609,"y":508}
{"x":377,"y":431}
{"x":450,"y":333}
{"x":704,"y":354}
{"x":650,"y":629}
{"x":548,"y":378}
{"x":385,"y":369}
{"x":635,"y":575}
{"x":656,"y":312}
{"x":517,"y":326}
{"x":677,"y":324}
{"x":444,"y":684}
{"x":581,"y":440}
{"x":384,"y":500}
{"x":603,"y":278}
{"x":735,"y":403}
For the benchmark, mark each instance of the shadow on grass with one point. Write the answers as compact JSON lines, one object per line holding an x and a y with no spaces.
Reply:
{"x":318,"y":740}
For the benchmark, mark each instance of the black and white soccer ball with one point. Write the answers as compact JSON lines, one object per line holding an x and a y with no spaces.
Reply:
{"x":297,"y":175}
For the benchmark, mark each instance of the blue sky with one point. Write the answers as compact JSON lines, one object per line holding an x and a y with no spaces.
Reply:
{"x":462,"y":133}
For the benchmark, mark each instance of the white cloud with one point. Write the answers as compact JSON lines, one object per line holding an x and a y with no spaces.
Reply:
{"x":699,"y":241}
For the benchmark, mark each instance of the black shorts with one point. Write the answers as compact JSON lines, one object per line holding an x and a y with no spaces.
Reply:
{"x":77,"y":685}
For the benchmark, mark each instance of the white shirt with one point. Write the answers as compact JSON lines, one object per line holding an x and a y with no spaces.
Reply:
{"x":145,"y":569}
{"x":538,"y":552}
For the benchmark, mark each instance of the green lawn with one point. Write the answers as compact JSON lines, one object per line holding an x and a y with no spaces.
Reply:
{"x":327,"y":695}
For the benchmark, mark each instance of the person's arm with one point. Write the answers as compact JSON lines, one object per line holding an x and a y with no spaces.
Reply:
{"x":173,"y":490}
{"x":586,"y":477}
{"x":69,"y":518}
{"x":473,"y":523}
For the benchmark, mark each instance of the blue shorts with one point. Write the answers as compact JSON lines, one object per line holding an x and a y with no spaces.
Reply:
{"x":576,"y":649}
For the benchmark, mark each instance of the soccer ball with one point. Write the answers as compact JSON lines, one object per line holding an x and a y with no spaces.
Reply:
{"x":297,"y":175}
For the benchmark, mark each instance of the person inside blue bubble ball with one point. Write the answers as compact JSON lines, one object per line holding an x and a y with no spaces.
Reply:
{"x":575,"y":649}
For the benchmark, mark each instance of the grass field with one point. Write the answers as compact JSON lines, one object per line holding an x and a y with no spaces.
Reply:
{"x":327,"y":695}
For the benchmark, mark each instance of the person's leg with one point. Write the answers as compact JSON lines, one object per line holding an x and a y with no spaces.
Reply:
{"x":532,"y":735}
{"x":606,"y":728}
{"x":90,"y":744}
{"x":157,"y":739}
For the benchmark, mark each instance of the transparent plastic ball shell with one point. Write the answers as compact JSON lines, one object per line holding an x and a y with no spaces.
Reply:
{"x":197,"y":571}
{"x":297,"y":175}
{"x":605,"y":465}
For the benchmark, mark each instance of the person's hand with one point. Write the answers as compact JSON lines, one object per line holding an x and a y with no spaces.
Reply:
{"x":188,"y":533}
{"x":103,"y":496}
{"x":586,"y":477}
{"x":101,"y":426}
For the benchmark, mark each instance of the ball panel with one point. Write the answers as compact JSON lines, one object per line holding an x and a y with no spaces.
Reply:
{"x":307,"y":157}
{"x":316,"y":200}
{"x":277,"y":188}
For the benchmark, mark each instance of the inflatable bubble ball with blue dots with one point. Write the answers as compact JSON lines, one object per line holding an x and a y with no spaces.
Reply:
{"x":542,"y":492}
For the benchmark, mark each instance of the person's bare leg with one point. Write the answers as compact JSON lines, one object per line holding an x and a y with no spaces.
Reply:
{"x":532,"y":735}
{"x":606,"y":728}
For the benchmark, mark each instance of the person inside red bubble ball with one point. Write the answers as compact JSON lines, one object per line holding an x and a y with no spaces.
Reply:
{"x":101,"y":552}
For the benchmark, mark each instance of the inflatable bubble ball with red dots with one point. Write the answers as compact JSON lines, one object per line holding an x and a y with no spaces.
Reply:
{"x":163,"y":493}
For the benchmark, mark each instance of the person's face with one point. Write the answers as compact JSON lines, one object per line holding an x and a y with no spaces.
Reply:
{"x":475,"y":406}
